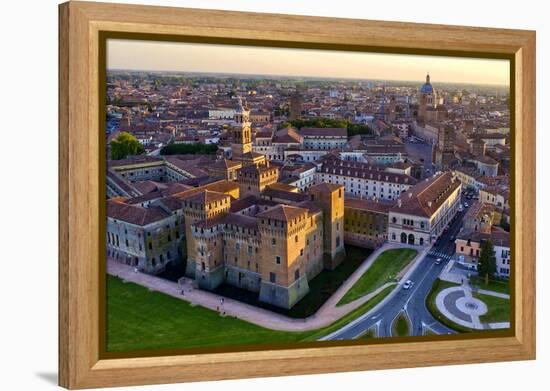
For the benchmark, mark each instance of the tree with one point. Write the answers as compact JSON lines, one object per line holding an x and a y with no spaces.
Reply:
{"x":487,"y":265}
{"x":124,"y":145}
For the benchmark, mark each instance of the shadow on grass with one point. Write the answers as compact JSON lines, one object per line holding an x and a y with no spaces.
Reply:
{"x":321,"y":288}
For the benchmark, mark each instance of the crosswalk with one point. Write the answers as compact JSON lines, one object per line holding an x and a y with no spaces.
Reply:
{"x":436,"y":254}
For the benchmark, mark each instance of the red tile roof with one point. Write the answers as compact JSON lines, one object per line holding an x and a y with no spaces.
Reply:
{"x":135,"y":214}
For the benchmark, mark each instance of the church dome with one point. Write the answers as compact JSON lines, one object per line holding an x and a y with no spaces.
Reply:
{"x":427,"y":87}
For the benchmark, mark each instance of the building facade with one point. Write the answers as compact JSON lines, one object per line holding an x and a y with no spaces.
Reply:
{"x":421,"y":214}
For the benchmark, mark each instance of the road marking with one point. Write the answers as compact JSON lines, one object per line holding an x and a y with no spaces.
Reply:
{"x":415,"y":289}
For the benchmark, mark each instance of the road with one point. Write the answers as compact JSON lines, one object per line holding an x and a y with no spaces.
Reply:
{"x":413,"y":300}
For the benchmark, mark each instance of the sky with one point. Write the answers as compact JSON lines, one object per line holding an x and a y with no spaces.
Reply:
{"x":213,"y":58}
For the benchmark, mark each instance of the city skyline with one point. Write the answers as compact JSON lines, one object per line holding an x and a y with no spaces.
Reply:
{"x":134,"y":55}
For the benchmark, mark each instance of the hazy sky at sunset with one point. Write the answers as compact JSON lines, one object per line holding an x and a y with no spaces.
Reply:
{"x":167,"y":56}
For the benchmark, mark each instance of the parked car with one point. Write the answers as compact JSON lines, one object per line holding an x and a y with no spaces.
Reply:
{"x":407,"y":284}
{"x":438,"y":261}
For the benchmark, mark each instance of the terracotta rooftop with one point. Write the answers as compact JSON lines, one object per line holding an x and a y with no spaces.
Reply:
{"x":131,"y":160}
{"x":368,"y":204}
{"x":323,"y":186}
{"x":283,"y":186}
{"x":283,"y":213}
{"x":498,"y":237}
{"x":425,"y":198}
{"x":270,"y":194}
{"x":135,"y":214}
{"x":364,"y":170}
{"x":287,"y":136}
{"x":205,"y":197}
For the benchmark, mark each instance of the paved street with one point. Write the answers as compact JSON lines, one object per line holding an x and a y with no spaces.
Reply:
{"x":413,"y":300}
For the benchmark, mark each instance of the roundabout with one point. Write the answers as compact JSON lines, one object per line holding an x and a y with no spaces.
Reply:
{"x":459,"y":306}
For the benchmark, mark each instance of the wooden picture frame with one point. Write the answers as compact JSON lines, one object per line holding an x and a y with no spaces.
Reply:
{"x":81,"y":246}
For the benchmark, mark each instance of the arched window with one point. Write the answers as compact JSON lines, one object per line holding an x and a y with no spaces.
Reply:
{"x":411,"y":239}
{"x":403,"y":237}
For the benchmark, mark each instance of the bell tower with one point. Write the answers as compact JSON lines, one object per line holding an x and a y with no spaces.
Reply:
{"x":242,"y":137}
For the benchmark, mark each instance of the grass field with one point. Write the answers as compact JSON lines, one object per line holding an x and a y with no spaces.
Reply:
{"x":498,"y":309}
{"x":384,"y":268}
{"x":400,"y":327}
{"x":138,"y":319}
{"x":501,"y":286}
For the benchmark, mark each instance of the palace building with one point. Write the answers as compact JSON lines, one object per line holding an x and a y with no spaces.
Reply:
{"x":421,"y":214}
{"x":263,"y":246}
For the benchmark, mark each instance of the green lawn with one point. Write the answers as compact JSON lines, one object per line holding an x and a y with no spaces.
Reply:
{"x":501,"y":286}
{"x":384,"y":268}
{"x":139,"y":319}
{"x":498,"y":309}
{"x":400,"y":327}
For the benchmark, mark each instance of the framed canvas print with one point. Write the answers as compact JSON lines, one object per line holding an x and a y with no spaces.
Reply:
{"x":247,"y":195}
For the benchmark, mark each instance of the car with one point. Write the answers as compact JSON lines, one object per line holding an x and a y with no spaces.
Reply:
{"x":466,"y":205}
{"x":407,"y":284}
{"x":438,"y":261}
{"x":451,"y":239}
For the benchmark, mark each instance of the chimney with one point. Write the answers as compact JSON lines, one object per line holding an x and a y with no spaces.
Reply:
{"x":399,"y":202}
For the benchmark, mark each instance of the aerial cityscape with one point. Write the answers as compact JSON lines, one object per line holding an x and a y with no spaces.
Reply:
{"x":283,"y":205}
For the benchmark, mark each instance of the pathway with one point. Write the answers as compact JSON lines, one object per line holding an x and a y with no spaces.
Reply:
{"x":326,"y":315}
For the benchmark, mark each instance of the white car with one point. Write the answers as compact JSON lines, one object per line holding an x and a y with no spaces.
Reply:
{"x":407,"y":284}
{"x":438,"y":261}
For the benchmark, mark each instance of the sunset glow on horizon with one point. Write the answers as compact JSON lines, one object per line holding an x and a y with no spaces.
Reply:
{"x":214,"y":58}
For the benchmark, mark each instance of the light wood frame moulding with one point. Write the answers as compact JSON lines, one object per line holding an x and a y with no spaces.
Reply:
{"x":81,"y":173}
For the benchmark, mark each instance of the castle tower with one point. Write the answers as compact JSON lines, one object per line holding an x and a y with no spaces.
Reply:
{"x":200,"y":209}
{"x":444,"y":154}
{"x":209,"y":265}
{"x":330,"y":198}
{"x":296,"y":105}
{"x":282,"y":254}
{"x":241,"y":132}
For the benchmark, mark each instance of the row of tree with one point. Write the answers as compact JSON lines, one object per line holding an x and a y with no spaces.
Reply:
{"x":125,"y":144}
{"x":353,"y":129}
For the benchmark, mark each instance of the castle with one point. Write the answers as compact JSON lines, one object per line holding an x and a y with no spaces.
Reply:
{"x":231,"y":231}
